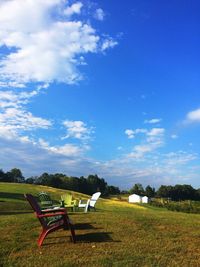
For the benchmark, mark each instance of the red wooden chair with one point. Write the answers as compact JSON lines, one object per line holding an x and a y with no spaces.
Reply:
{"x":61,"y":222}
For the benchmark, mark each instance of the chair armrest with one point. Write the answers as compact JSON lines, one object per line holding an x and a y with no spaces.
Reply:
{"x":83,"y":201}
{"x":57,"y":209}
{"x":74,"y":202}
{"x":50,"y":214}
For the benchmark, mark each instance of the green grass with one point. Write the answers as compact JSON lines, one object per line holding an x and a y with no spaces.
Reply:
{"x":118,"y":234}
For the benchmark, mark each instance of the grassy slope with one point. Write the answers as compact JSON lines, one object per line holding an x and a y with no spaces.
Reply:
{"x":118,"y":234}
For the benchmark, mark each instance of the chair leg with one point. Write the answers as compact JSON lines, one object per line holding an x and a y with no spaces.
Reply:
{"x":87,"y":207}
{"x":73,"y":236}
{"x":42,"y":237}
{"x":70,"y":226}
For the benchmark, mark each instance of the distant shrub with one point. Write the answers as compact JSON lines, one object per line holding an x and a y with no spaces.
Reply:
{"x":179,"y":206}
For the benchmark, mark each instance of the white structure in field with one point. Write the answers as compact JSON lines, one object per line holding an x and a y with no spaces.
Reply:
{"x":138,"y":199}
{"x":145,"y":199}
{"x":134,"y":198}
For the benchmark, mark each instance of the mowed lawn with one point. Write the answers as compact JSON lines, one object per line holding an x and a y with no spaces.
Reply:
{"x":117,"y":234}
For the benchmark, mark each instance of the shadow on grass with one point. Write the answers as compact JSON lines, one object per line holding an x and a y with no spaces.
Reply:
{"x":95,"y":237}
{"x":14,"y":212}
{"x":84,"y":226}
{"x":17,"y":196}
{"x":99,"y":237}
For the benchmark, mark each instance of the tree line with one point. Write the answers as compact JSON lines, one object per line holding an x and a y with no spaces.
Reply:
{"x":88,"y":185}
{"x":93,"y":183}
{"x":175,"y":193}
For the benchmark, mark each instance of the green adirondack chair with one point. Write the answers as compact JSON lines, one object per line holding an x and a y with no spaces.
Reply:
{"x":68,"y":201}
{"x":47,"y":203}
{"x":45,"y":200}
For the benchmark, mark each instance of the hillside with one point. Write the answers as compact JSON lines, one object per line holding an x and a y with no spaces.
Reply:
{"x":118,"y":234}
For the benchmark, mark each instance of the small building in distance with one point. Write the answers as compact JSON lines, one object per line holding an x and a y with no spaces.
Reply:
{"x":134,"y":198}
{"x":138,"y":199}
{"x":145,"y":200}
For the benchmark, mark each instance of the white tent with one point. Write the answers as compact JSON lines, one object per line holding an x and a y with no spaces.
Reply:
{"x":134,"y":198}
{"x":145,"y":199}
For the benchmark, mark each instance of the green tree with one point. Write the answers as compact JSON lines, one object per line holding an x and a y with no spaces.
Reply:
{"x":165,"y":191}
{"x":112,"y":190}
{"x":31,"y":180}
{"x":96,"y":184}
{"x":150,"y":191}
{"x":17,"y":175}
{"x":137,"y":189}
{"x":2,"y":176}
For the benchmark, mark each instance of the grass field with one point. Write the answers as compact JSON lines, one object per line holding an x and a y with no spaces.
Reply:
{"x":118,"y":234}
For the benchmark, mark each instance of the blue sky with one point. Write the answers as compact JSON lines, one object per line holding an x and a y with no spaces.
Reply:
{"x":99,"y":87}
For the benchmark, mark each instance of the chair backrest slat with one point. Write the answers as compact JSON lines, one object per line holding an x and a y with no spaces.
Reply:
{"x":45,"y":199}
{"x":94,"y":199}
{"x":67,"y":198}
{"x":35,"y":206}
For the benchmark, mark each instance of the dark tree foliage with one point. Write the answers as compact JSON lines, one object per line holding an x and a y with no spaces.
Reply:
{"x":137,"y":189}
{"x":88,"y":185}
{"x":2,"y":176}
{"x":150,"y":191}
{"x":31,"y":180}
{"x":12,"y":176}
{"x":178,"y":192}
{"x":112,"y":190}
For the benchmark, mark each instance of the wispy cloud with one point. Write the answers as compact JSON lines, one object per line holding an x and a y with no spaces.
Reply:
{"x":73,"y":9}
{"x":108,"y":43}
{"x":34,"y":157}
{"x":99,"y":14}
{"x":32,"y":154}
{"x":132,"y":133}
{"x":153,"y":121}
{"x":51,"y":47}
{"x":179,"y":158}
{"x":193,"y":116}
{"x":77,"y":129}
{"x":14,"y":118}
{"x":152,"y":140}
{"x":68,"y":150}
{"x":155,"y":169}
{"x":174,"y":136}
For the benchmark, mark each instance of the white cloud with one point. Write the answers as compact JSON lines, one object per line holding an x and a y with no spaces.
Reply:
{"x":48,"y":49}
{"x":152,"y":140}
{"x":155,"y":169}
{"x":193,"y":116}
{"x":73,"y":9}
{"x":69,"y":150}
{"x":16,"y":123}
{"x":179,"y":158}
{"x":131,"y":133}
{"x":142,"y":149}
{"x":14,"y":118}
{"x":153,"y":121}
{"x":139,"y":151}
{"x":174,"y":136}
{"x":21,"y":119}
{"x":156,"y":132}
{"x":99,"y":14}
{"x":77,"y":129}
{"x":108,"y":43}
{"x":34,"y":158}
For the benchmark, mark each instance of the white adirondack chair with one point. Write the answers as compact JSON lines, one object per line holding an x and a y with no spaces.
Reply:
{"x":90,"y":203}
